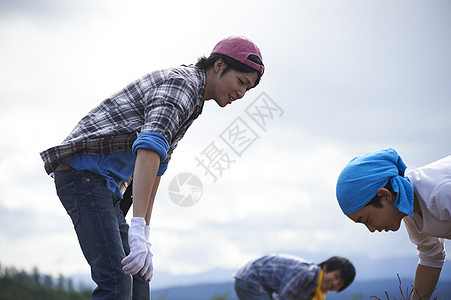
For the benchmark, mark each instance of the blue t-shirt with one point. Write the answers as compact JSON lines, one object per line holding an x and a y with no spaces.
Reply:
{"x":119,"y":166}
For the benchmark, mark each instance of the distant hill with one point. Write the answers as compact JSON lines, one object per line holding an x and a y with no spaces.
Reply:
{"x":374,"y":277}
{"x":357,"y":291}
{"x":196,"y":292}
{"x":367,"y":270}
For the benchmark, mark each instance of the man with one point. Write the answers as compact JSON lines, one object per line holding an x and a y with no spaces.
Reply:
{"x":373,"y":190}
{"x":292,"y":277}
{"x":133,"y":133}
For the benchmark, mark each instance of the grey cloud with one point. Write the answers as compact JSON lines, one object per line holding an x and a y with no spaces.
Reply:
{"x":44,"y":9}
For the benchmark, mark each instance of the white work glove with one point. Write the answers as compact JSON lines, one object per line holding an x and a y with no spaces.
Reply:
{"x":147,"y":270}
{"x":135,"y":260}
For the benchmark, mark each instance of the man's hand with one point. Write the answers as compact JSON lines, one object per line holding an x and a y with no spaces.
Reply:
{"x":138,"y":249}
{"x":147,"y":270}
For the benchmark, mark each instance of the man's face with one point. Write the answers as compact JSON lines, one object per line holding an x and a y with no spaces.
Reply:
{"x":332,"y":281}
{"x":387,"y":217}
{"x":232,"y":85}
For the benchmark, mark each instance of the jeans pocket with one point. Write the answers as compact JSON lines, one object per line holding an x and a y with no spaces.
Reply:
{"x":67,"y":196}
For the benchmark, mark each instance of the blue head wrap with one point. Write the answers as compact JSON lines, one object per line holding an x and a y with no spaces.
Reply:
{"x":365,"y":174}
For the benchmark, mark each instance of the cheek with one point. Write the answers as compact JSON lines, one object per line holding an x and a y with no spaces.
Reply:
{"x":381,"y":221}
{"x":223,"y":88}
{"x":230,"y":82}
{"x":230,"y":86}
{"x":391,"y":217}
{"x":326,"y":280}
{"x":379,"y":217}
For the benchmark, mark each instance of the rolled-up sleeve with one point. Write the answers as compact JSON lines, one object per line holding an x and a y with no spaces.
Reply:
{"x":152,"y":141}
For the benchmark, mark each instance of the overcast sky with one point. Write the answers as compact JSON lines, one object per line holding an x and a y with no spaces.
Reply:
{"x":342,"y":78}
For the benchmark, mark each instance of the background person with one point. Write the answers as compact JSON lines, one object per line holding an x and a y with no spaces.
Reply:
{"x":291,"y":277}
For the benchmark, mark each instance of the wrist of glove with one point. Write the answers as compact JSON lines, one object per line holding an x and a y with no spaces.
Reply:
{"x":137,"y":241}
{"x":147,"y":270}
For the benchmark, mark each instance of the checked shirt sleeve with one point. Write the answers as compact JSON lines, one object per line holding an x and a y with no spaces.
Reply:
{"x":168,"y":107}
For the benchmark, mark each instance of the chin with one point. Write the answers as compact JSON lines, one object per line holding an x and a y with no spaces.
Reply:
{"x":220,"y":103}
{"x":396,"y":228}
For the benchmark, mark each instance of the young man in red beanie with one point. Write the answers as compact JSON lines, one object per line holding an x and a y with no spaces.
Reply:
{"x":133,"y":134}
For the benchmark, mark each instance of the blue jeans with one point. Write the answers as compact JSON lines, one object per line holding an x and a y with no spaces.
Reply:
{"x":102,"y":233}
{"x":247,"y":291}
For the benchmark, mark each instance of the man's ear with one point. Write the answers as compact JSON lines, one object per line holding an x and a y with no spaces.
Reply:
{"x":384,"y":193}
{"x":218,"y":65}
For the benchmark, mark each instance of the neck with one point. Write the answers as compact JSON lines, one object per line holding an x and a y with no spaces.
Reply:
{"x":208,"y":93}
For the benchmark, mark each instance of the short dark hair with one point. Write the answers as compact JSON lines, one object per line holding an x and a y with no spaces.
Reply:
{"x":376,"y":201}
{"x":346,"y":268}
{"x":231,"y":64}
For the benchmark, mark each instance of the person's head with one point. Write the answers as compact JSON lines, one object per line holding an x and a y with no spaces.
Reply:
{"x":338,"y":274}
{"x":234,"y":66}
{"x":380,"y":213}
{"x":375,"y":178}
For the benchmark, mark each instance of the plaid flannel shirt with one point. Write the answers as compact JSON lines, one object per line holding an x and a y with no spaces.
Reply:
{"x":290,"y":277}
{"x":165,"y":102}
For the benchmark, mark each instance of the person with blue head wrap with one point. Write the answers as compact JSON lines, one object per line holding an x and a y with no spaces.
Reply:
{"x":373,"y":189}
{"x":364,"y":175}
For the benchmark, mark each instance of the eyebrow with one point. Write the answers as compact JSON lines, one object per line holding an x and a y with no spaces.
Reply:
{"x":248,"y":81}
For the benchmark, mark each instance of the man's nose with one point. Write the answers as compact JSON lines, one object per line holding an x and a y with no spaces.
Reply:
{"x":370,"y":228}
{"x":240,"y":93}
